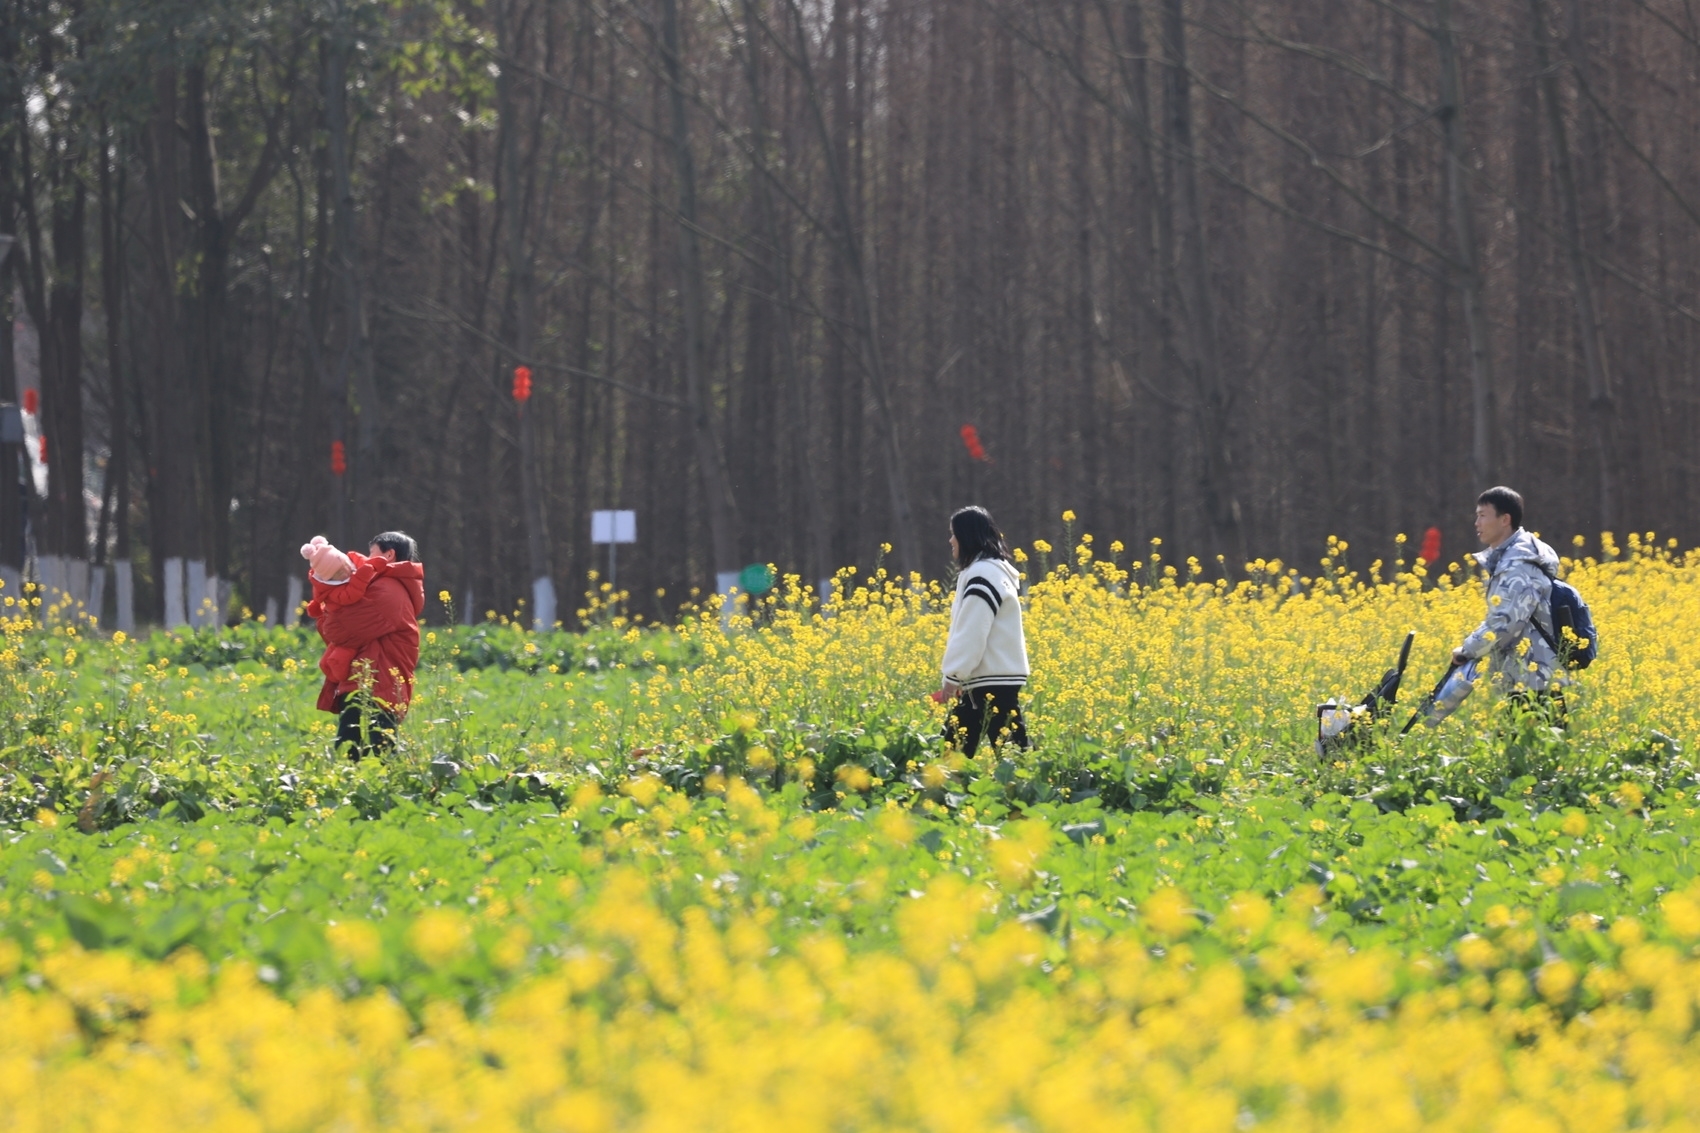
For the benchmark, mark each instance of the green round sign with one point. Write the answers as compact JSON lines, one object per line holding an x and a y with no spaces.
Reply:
{"x":755,"y":579}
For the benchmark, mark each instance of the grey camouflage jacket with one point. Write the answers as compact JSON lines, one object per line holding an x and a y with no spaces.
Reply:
{"x":1519,"y":592}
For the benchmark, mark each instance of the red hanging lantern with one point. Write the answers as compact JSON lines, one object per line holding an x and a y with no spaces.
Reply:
{"x":339,"y":458}
{"x":1431,"y":546}
{"x":971,"y":441}
{"x":522,"y":384}
{"x":32,"y":401}
{"x":41,"y":447}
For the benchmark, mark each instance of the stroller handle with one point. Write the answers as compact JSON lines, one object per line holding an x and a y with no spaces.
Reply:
{"x":1428,"y":701}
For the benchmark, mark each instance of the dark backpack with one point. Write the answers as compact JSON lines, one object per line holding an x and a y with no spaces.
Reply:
{"x":1570,"y":612}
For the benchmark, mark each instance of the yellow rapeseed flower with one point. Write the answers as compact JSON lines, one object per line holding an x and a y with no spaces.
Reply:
{"x":440,"y":936}
{"x":1169,"y":912}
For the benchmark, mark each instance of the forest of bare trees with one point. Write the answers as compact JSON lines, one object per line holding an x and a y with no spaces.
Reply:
{"x":1236,"y":274}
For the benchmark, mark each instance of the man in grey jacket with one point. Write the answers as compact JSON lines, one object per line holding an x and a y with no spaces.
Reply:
{"x":1510,"y":647}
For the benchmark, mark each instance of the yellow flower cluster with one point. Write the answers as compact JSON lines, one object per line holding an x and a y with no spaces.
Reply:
{"x":1118,"y":650}
{"x":660,"y":1022}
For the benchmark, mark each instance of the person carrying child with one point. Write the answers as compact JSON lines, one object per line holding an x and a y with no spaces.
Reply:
{"x":367,"y":608}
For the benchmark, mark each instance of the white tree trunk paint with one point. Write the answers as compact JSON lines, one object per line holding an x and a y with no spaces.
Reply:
{"x":77,"y":588}
{"x":726,"y":582}
{"x":124,"y":616}
{"x":197,"y":596}
{"x":542,"y":604}
{"x":50,"y":574}
{"x":176,"y":612}
{"x":271,"y":611}
{"x":96,"y":608}
{"x":292,"y":599}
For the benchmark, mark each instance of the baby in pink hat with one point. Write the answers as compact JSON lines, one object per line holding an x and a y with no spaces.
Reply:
{"x":339,"y":579}
{"x":328,"y":565}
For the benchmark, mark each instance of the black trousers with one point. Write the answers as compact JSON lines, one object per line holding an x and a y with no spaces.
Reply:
{"x":367,"y":729}
{"x":1548,"y":704}
{"x":991,"y":712}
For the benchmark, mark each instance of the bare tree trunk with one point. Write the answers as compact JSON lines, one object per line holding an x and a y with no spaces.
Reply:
{"x":1470,"y":278}
{"x":210,"y":380}
{"x":522,"y":279}
{"x":113,"y":274}
{"x":11,"y":132}
{"x":1602,"y":406}
{"x":863,"y":307}
{"x":173,"y":492}
{"x":54,"y":293}
{"x":1152,"y":253}
{"x":11,"y":492}
{"x":776,"y":263}
{"x":1211,"y":395}
{"x":62,"y":377}
{"x":721,"y":507}
{"x":358,"y":395}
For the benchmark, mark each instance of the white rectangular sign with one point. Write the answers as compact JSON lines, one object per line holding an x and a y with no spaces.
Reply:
{"x":613,"y":527}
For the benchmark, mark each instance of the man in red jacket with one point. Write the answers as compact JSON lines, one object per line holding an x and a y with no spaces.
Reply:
{"x":383,"y":630}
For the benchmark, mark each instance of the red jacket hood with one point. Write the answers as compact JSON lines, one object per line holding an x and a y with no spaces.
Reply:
{"x":410,"y":575}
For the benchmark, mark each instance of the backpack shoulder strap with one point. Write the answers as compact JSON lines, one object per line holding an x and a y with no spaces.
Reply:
{"x":1552,"y":644}
{"x":1546,"y":637}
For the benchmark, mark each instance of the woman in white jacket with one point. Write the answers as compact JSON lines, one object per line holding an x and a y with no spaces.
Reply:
{"x":985,"y":660}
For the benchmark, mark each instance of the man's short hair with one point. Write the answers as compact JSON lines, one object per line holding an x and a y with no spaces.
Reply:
{"x":406,"y":550}
{"x":1504,"y":501}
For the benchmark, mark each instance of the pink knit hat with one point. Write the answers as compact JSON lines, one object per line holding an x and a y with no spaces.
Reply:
{"x":325,"y":559}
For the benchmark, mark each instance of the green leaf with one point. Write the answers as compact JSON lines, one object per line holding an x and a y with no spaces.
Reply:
{"x":95,"y":924}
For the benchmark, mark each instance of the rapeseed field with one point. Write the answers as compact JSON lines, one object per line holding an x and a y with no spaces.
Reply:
{"x":722,"y":874}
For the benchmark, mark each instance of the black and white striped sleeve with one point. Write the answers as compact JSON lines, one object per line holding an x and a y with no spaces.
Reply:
{"x":983,"y":590}
{"x":971,"y":621}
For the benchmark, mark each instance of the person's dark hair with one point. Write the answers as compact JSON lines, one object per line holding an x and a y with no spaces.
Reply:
{"x":1505,"y":502}
{"x":406,"y":550}
{"x":977,"y":536}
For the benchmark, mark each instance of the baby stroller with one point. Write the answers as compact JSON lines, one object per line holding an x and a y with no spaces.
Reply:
{"x":1340,"y":727}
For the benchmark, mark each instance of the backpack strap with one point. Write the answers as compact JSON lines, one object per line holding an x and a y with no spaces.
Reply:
{"x":1535,"y":622}
{"x":1558,"y":653}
